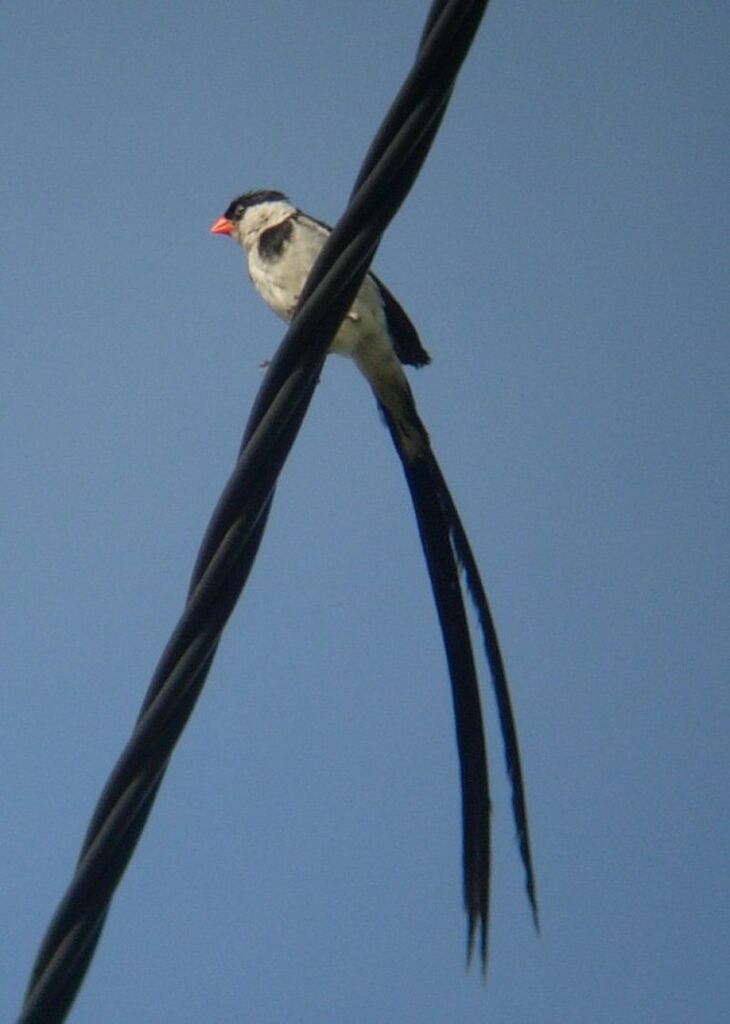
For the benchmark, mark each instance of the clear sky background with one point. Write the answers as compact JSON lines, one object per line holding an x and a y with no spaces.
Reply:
{"x":564,"y":257}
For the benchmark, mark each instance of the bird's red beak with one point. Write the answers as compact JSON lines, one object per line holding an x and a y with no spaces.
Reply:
{"x":223,"y":226}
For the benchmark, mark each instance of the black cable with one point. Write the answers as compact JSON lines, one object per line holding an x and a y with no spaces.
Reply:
{"x":233,"y":536}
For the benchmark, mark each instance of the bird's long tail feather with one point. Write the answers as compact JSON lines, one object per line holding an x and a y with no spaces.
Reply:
{"x":499,"y":684}
{"x":447,"y":548}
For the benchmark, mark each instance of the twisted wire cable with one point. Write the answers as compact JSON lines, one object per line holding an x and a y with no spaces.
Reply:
{"x":234,"y":533}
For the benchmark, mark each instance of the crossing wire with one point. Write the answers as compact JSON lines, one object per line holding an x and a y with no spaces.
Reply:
{"x":234,"y":533}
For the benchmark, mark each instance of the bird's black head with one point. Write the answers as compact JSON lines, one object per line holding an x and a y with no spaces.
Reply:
{"x":243,"y":202}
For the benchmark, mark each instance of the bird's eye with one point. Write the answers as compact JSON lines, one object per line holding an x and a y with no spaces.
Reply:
{"x":239,"y":211}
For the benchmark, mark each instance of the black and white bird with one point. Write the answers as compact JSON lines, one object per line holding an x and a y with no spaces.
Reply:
{"x":282,"y":244}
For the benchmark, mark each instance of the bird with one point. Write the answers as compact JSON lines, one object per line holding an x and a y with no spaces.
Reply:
{"x":282,"y":243}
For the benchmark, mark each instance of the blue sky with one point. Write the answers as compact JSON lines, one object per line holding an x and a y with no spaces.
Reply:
{"x":564,"y":257}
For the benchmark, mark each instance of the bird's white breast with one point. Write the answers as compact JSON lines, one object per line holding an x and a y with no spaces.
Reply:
{"x":279,"y":281}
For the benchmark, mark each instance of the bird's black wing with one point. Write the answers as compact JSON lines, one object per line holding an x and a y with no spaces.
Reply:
{"x":405,"y":338}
